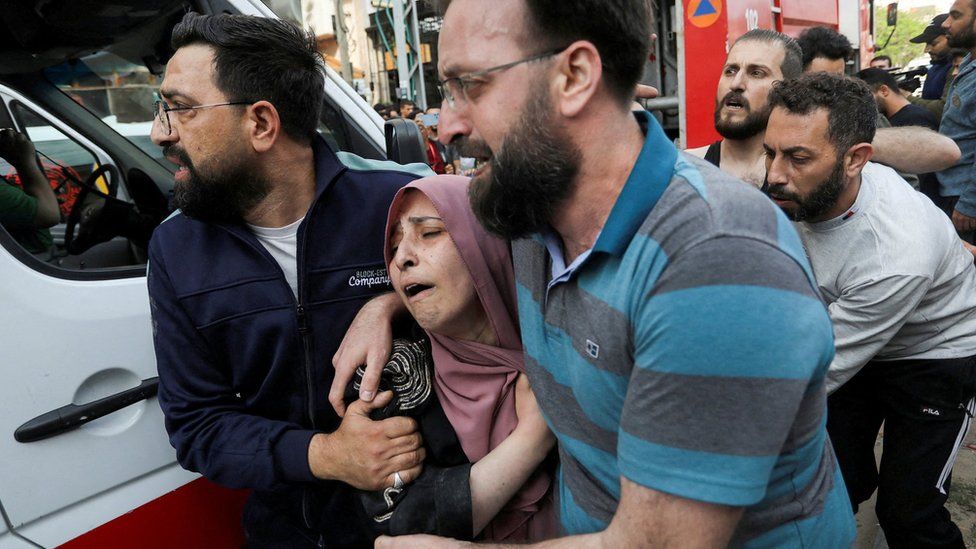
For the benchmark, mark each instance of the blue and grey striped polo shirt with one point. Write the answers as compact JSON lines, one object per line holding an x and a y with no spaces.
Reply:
{"x":687,"y":353}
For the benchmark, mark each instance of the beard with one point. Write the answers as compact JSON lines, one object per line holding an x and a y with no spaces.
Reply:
{"x":818,"y":202}
{"x":966,"y":39}
{"x":753,"y":124}
{"x":531,"y":174}
{"x":221,"y":192}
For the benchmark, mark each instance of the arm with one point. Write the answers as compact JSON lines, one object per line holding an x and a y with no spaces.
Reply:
{"x":935,"y":106}
{"x":496,"y":477}
{"x":645,"y":518}
{"x":706,"y":320}
{"x":213,"y":433}
{"x":866,"y":317}
{"x":368,"y":341}
{"x":19,"y":151}
{"x":914,"y":149}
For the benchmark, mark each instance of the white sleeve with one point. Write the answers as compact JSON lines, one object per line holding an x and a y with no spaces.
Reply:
{"x":866,"y":317}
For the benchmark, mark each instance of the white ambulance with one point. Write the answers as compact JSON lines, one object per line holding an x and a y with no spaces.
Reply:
{"x":84,"y":457}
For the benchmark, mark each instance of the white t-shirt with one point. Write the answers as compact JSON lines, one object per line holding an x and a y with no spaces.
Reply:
{"x":282,"y":244}
{"x":897,"y":280}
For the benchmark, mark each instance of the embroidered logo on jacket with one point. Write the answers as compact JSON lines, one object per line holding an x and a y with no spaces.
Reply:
{"x":370,"y":278}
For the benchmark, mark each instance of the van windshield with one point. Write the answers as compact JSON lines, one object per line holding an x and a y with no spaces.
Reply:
{"x":117,"y":91}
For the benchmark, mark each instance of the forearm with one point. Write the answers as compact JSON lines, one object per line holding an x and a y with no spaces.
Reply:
{"x":935,"y":106}
{"x":496,"y":477}
{"x":37,"y":186}
{"x":914,"y":149}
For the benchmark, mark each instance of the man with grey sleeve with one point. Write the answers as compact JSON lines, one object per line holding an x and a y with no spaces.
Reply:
{"x":901,"y":292}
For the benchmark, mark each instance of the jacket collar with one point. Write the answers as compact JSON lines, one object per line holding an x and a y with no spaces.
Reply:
{"x":328,"y":168}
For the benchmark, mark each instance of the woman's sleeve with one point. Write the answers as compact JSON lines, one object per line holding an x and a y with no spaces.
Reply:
{"x":439,"y":502}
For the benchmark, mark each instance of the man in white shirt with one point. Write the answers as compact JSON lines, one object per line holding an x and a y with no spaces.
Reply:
{"x":901,"y":293}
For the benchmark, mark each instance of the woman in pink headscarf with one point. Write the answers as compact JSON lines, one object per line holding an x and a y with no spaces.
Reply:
{"x":457,"y":282}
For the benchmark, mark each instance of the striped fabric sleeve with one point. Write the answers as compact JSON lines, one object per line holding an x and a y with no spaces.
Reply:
{"x":727,"y":343}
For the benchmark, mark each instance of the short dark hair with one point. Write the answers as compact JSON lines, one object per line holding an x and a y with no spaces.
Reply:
{"x":876,"y":78}
{"x":258,"y":58}
{"x":852,"y":111}
{"x":620,"y":30}
{"x":824,"y":42}
{"x":883,"y":58}
{"x":792,"y":65}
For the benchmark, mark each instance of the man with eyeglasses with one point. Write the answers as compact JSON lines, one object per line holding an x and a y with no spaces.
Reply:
{"x":277,"y":244}
{"x":674,"y":335}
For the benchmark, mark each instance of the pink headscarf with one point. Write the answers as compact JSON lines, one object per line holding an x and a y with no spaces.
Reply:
{"x":476,"y":382}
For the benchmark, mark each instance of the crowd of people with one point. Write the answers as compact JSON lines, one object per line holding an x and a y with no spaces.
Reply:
{"x":442,"y":158}
{"x":581,"y":345}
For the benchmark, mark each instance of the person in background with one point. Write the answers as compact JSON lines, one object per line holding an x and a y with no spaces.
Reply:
{"x":957,"y":185}
{"x":900,"y":112}
{"x":901,"y":292}
{"x":824,"y":50}
{"x":881,"y":62}
{"x":26,"y":213}
{"x":406,"y":109}
{"x":937,"y":47}
{"x":757,"y":60}
{"x":896,"y":108}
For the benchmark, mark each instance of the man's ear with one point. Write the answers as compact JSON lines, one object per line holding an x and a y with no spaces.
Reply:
{"x":856,"y":158}
{"x":263,"y":125}
{"x":580,"y":72}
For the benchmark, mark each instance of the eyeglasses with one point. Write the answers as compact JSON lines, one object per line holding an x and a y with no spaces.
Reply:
{"x":162,"y":110}
{"x":456,"y":88}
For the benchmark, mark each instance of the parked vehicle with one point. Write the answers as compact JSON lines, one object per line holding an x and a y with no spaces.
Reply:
{"x":90,"y":465}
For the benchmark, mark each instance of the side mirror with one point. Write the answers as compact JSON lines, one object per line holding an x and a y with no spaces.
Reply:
{"x":892,"y":14}
{"x":404,"y":143}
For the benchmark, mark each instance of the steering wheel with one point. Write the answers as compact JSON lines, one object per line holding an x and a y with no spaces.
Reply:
{"x":87,"y":186}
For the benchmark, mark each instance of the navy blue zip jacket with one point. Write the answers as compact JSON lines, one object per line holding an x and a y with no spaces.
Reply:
{"x":244,"y":369}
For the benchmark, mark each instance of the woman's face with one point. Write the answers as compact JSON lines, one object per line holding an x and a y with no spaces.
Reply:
{"x":429,"y":276}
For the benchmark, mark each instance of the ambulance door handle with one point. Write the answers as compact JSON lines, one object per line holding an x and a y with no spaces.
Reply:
{"x":72,"y":416}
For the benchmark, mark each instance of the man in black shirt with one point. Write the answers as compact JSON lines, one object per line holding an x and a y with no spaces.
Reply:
{"x":900,"y":112}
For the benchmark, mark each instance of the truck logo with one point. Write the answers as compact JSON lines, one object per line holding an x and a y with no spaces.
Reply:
{"x":704,"y":13}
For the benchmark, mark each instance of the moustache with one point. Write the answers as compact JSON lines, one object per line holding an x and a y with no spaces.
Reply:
{"x":472,"y":148}
{"x":739,"y":98}
{"x":782,"y":195}
{"x":178,"y":153}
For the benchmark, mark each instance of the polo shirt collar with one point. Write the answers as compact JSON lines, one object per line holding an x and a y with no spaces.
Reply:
{"x":647,"y":181}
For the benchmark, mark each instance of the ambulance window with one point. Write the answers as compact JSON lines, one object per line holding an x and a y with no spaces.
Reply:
{"x":116,"y":90}
{"x":70,"y":167}
{"x":57,"y":152}
{"x":121,"y":93}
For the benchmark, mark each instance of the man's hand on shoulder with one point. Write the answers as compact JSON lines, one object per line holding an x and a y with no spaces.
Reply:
{"x":368,"y":341}
{"x":365,"y":453}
